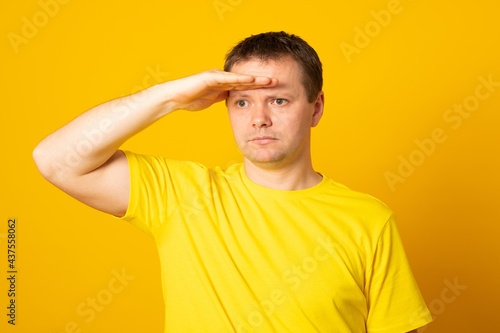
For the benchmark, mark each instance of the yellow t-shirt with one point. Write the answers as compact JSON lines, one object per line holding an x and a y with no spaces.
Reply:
{"x":239,"y":257}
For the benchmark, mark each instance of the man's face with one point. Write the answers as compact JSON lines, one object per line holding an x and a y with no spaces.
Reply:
{"x":272,"y":126}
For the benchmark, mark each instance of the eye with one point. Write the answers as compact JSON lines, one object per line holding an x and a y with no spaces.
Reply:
{"x":280,"y":101}
{"x":242,"y":103}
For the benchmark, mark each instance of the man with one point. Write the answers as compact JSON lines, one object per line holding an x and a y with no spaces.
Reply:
{"x":269,"y":245}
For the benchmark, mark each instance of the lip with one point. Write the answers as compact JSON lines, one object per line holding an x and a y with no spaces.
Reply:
{"x":262,"y":140}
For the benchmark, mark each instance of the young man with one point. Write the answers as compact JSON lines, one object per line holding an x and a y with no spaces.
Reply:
{"x":269,"y":245}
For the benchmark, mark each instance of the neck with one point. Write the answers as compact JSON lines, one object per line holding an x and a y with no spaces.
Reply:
{"x":290,"y":177}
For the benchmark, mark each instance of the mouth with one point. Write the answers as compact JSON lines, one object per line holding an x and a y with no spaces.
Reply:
{"x":262,"y":140}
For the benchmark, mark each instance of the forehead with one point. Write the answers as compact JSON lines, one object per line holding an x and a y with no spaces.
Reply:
{"x":286,"y":70}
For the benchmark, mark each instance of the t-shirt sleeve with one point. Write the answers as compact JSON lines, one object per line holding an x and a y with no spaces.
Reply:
{"x":395,"y":304}
{"x":148,"y":197}
{"x":160,"y":187}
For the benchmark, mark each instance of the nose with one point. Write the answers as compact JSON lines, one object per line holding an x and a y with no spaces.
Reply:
{"x":261,"y":117}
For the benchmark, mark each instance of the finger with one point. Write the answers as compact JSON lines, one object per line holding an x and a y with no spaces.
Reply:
{"x":254,"y":85}
{"x":259,"y":82}
{"x":256,"y":80}
{"x":223,"y":78}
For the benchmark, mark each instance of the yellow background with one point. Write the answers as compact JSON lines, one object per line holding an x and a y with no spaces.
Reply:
{"x":395,"y":90}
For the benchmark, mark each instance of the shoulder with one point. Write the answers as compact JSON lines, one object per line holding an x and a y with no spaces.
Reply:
{"x":178,"y":170}
{"x":160,"y":162}
{"x":356,"y":203}
{"x":355,"y":198}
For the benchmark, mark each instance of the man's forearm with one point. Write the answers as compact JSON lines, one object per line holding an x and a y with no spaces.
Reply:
{"x":91,"y":139}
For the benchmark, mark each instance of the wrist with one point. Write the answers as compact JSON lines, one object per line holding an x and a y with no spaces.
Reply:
{"x":161,"y":95}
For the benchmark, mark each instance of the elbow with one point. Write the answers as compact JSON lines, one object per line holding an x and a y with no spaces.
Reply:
{"x":43,"y":162}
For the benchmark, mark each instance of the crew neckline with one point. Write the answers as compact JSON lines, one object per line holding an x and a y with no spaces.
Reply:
{"x":288,"y":194}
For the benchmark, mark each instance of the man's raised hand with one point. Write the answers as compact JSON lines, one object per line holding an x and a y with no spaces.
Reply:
{"x":199,"y":91}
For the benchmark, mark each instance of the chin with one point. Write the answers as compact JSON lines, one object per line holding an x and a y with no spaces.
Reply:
{"x":266,"y":161}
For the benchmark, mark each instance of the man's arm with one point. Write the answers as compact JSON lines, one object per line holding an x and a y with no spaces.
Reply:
{"x":82,"y":157}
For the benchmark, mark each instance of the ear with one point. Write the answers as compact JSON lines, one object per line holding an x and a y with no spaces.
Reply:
{"x":318,"y":109}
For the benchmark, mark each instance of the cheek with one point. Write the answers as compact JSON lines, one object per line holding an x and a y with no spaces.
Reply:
{"x":232,"y":118}
{"x":236,"y":126}
{"x":297,"y":130}
{"x":297,"y":124}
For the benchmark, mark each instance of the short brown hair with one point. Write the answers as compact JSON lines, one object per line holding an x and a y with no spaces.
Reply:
{"x":276,"y":45}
